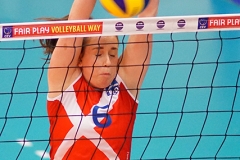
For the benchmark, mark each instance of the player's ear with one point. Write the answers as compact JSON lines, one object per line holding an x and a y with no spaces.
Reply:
{"x":80,"y":62}
{"x":83,"y":50}
{"x":80,"y":59}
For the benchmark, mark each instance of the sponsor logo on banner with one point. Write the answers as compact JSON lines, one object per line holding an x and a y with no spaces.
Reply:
{"x":160,"y":24}
{"x":219,"y":22}
{"x":140,"y":25}
{"x":52,"y":29}
{"x":202,"y":23}
{"x":181,"y":23}
{"x":119,"y":26}
{"x":7,"y":32}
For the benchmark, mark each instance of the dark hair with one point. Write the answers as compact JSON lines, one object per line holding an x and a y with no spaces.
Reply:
{"x":50,"y":44}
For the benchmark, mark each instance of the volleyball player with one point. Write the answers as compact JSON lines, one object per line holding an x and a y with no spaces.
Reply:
{"x":92,"y":99}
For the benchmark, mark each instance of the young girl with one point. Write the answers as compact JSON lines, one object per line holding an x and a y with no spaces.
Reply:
{"x":92,"y":99}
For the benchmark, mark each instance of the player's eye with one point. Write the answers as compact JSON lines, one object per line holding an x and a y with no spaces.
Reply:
{"x":112,"y":55}
{"x":98,"y":54}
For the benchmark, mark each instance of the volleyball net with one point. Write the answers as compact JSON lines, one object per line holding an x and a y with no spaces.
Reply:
{"x":189,"y":102}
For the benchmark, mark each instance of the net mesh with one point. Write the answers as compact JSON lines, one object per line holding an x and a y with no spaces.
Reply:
{"x":189,"y":103}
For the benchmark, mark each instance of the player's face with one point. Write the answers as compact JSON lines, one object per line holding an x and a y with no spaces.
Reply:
{"x":100,"y":60}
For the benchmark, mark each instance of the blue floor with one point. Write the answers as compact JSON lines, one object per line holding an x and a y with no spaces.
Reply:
{"x":189,"y":111}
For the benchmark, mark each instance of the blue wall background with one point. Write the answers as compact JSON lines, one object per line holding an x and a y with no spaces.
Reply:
{"x":182,"y":115}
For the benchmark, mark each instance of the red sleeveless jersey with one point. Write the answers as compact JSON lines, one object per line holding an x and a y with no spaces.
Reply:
{"x":90,"y":124}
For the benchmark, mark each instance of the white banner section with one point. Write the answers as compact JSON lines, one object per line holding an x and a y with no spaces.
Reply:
{"x":118,"y":26}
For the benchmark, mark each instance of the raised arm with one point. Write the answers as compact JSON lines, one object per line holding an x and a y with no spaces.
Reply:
{"x":137,"y":55}
{"x":65,"y":58}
